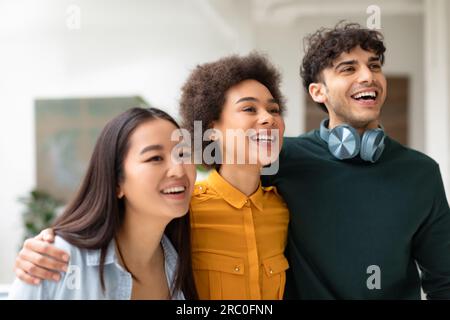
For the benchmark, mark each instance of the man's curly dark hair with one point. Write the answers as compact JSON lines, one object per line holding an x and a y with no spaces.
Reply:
{"x":203,"y":94}
{"x":327,"y":44}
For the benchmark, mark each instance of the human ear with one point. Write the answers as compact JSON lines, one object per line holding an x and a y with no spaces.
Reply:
{"x":317,"y":92}
{"x":213,"y":132}
{"x":119,"y":192}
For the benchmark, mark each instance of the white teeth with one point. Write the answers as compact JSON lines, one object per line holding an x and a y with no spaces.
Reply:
{"x":365,"y":94}
{"x":173,"y":190}
{"x":263,"y":137}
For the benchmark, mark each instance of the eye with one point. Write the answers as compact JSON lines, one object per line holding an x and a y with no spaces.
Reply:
{"x":348,"y":69}
{"x":375,"y":66}
{"x":155,"y":159}
{"x":275,"y":110}
{"x":249,"y":109}
{"x":184,"y":154}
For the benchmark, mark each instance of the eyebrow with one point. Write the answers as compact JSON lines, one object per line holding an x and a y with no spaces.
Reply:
{"x":345,"y":63}
{"x":375,"y":58}
{"x":151,"y":148}
{"x":273,"y":100}
{"x":352,"y":62}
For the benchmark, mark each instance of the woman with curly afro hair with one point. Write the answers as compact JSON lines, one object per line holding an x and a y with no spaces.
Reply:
{"x":239,"y":228}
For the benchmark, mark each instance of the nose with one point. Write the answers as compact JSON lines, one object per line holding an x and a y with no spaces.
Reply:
{"x":176,"y":169}
{"x":266,"y":119}
{"x":365,"y":75}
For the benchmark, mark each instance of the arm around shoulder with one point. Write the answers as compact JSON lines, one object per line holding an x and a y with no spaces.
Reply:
{"x":46,"y":290}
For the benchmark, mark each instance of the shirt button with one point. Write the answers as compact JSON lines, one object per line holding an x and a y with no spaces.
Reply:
{"x":236,"y":268}
{"x":247,"y":203}
{"x":271,"y":271}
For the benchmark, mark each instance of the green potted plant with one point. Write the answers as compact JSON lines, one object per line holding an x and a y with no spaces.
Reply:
{"x":40,"y":211}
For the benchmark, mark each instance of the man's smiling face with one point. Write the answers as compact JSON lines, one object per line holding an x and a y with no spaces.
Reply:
{"x":353,"y":89}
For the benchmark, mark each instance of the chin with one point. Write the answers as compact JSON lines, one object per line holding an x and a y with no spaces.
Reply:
{"x":267,"y":157}
{"x":179,"y":213}
{"x":363,"y":118}
{"x":267,"y":162}
{"x":175,"y":210}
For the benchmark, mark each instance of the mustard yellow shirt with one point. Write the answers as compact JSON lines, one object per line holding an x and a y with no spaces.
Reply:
{"x":238,"y":242}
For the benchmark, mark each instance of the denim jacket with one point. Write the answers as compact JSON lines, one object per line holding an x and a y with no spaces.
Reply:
{"x":82,"y":280}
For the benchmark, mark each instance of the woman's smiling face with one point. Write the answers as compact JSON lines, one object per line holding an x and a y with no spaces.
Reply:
{"x":252,"y":114}
{"x":153,"y":182}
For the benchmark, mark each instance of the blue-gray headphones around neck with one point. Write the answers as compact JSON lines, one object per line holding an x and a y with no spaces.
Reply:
{"x":344,"y":142}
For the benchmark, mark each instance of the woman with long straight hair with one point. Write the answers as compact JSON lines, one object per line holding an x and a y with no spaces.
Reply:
{"x":127,"y":229}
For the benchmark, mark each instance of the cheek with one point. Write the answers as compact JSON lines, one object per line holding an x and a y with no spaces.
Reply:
{"x":240,"y":120}
{"x":281,"y":126}
{"x":191,"y":173}
{"x":338,"y":87}
{"x":141,"y":180}
{"x":281,"y":134}
{"x":384,"y":85}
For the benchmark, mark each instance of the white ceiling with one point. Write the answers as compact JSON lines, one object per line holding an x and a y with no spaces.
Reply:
{"x":287,"y":11}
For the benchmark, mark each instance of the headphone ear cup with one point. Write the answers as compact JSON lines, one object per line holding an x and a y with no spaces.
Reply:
{"x":344,"y":142}
{"x":372,"y":145}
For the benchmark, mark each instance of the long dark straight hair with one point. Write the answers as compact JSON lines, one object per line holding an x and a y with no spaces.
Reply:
{"x":94,"y":217}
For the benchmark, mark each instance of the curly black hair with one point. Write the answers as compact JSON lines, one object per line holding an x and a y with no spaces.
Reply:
{"x":203,"y":94}
{"x":327,"y":44}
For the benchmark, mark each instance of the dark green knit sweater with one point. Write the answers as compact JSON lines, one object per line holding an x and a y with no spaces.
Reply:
{"x":358,"y":229}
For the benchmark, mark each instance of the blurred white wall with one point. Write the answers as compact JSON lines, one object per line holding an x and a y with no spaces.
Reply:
{"x":448,"y":94}
{"x":437,"y":77}
{"x":127,"y":48}
{"x":147,"y":48}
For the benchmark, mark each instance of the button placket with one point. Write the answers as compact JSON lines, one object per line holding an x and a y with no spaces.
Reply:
{"x":252,"y":251}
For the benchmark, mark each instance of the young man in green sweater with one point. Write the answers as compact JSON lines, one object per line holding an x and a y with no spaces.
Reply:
{"x":366,"y":212}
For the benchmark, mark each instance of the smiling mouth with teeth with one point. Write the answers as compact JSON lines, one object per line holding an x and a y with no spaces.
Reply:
{"x":366,"y":95}
{"x":263,"y":138}
{"x":173,"y":190}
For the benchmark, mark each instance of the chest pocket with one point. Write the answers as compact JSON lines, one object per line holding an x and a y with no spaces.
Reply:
{"x":274,"y":277}
{"x":219,"y":276}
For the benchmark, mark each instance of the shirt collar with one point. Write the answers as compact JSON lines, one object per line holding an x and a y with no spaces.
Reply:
{"x":170,"y":261}
{"x":232,"y":195}
{"x":93,"y":256}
